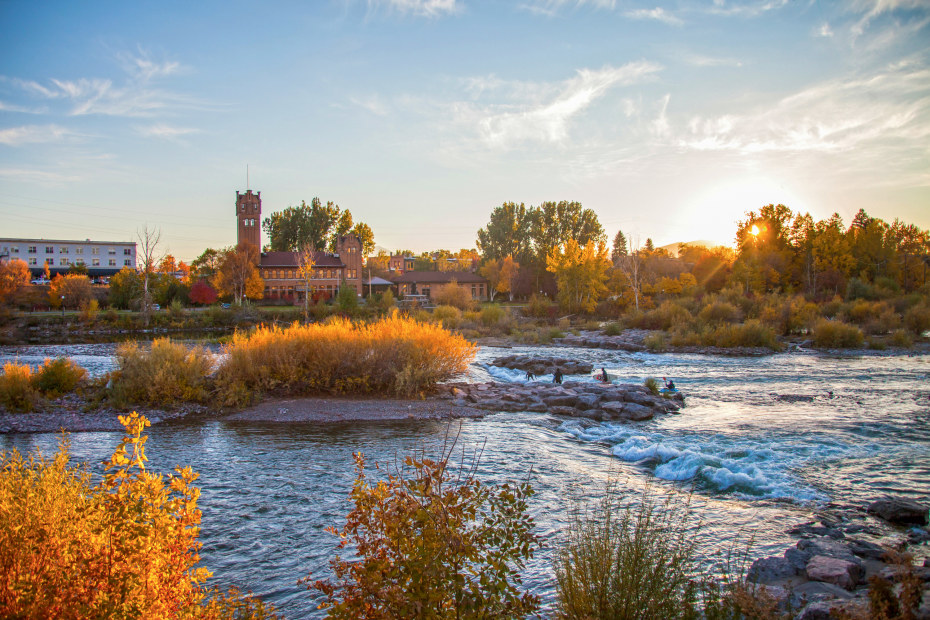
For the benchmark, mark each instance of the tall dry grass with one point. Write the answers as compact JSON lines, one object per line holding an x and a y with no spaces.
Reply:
{"x":395,"y":355}
{"x":166,"y":373}
{"x":17,"y":393}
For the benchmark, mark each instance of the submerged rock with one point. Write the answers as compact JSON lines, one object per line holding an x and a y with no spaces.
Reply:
{"x":900,"y":510}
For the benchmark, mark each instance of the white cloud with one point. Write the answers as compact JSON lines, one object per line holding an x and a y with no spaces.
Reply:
{"x":33,"y":134}
{"x":420,"y":8}
{"x":372,"y":104}
{"x":745,"y":9}
{"x":870,"y":9}
{"x":825,"y":30}
{"x":660,"y":126}
{"x":698,"y":60}
{"x":658,"y":14}
{"x":547,"y":118}
{"x":887,"y":108}
{"x":9,"y":107}
{"x":143,"y":68}
{"x":167,"y":132}
{"x":21,"y":174}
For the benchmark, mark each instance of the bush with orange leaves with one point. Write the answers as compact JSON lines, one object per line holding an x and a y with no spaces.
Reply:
{"x":395,"y":355}
{"x":123,"y":548}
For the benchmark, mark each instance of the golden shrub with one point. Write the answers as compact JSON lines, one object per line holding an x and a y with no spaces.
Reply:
{"x":123,"y":548}
{"x":168,"y":372}
{"x":16,"y":390}
{"x":395,"y":355}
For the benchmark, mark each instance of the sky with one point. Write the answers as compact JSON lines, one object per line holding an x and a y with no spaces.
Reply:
{"x":669,"y":120}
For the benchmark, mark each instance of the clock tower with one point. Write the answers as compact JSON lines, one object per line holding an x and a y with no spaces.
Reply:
{"x":249,"y":218}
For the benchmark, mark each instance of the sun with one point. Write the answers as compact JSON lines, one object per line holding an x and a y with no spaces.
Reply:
{"x":754,"y":231}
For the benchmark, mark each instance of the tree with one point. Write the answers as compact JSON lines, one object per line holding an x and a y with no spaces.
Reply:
{"x":508,"y":273}
{"x":632,"y":267}
{"x":237,"y":275}
{"x":491,"y":271}
{"x":555,"y":223}
{"x":507,"y":233}
{"x":305,"y":272}
{"x":619,"y":247}
{"x":432,"y":543}
{"x":205,"y":265}
{"x":313,"y":225}
{"x":365,"y":233}
{"x":202,"y":293}
{"x":125,"y":288}
{"x":149,"y":252}
{"x":70,"y":291}
{"x":77,"y":269}
{"x":13,"y":275}
{"x":168,"y":264}
{"x":581,"y":273}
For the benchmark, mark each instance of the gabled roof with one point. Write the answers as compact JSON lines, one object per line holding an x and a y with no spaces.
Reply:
{"x":439,"y":277}
{"x":376,"y":281}
{"x":291,"y":259}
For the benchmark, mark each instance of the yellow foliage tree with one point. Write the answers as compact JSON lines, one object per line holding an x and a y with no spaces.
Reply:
{"x":581,"y":274}
{"x":13,"y":274}
{"x":70,"y":290}
{"x":124,"y":548}
{"x":491,"y":271}
{"x":237,"y":274}
{"x":508,"y":273}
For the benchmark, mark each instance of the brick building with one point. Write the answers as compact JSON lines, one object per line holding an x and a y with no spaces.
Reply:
{"x":281,"y":270}
{"x":430,"y":282}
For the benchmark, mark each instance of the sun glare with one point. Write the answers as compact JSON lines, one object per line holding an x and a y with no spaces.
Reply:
{"x":754,"y":231}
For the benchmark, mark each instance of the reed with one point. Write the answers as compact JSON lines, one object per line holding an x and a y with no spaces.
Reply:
{"x":164,"y":374}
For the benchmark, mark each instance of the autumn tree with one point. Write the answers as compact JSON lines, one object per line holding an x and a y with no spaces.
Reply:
{"x":556,"y":223}
{"x":125,"y":288}
{"x":70,"y":291}
{"x":430,"y":542}
{"x":238,"y":274}
{"x":581,"y":273}
{"x":205,"y":265}
{"x":365,"y":233}
{"x":508,"y":274}
{"x":491,"y":271}
{"x":13,"y":275}
{"x":202,"y":293}
{"x":150,"y":255}
{"x":305,"y":265}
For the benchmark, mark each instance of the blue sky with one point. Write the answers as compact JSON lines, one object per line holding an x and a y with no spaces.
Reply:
{"x":670,"y":120}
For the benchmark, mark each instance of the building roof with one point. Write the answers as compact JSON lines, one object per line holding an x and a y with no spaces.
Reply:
{"x":77,"y":241}
{"x":376,"y":281}
{"x":290,"y":259}
{"x":439,"y":277}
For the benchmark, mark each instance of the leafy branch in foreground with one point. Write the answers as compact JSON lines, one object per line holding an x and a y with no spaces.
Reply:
{"x":432,"y":543}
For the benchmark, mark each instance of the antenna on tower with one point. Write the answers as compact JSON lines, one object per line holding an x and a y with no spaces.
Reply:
{"x":247,"y":188}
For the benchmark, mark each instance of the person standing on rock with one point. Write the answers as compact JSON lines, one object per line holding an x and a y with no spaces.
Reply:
{"x":604,"y":376}
{"x":557,"y":376}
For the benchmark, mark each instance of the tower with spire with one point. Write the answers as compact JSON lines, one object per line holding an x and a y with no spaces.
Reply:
{"x":249,"y":216}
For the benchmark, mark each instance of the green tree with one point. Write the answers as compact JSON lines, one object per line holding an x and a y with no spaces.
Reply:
{"x":205,"y":265}
{"x":125,"y":288}
{"x":295,"y":227}
{"x":432,"y":543}
{"x":556,"y":223}
{"x":507,"y":233}
{"x":581,"y":273}
{"x":620,"y":247}
{"x":365,"y":233}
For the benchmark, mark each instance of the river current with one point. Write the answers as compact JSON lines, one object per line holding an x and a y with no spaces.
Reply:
{"x":762,"y":443}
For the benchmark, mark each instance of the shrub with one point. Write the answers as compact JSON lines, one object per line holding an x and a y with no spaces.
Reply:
{"x":58,"y":376}
{"x":902,"y":338}
{"x":176,"y":309}
{"x":394,"y":355}
{"x":859,"y":289}
{"x":613,"y":329}
{"x":655,"y":341}
{"x":89,"y":310}
{"x":917,"y":319}
{"x":652,"y":385}
{"x":836,"y":335}
{"x":16,"y":390}
{"x":666,"y":316}
{"x":720,"y":312}
{"x":540,"y":307}
{"x":347,"y":298}
{"x":634,"y":562}
{"x":449,"y":316}
{"x":492,"y":315}
{"x":453,"y":294}
{"x":166,"y":373}
{"x":432,"y":543}
{"x":125,"y":547}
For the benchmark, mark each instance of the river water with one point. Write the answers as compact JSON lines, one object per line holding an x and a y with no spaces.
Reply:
{"x":762,"y":443}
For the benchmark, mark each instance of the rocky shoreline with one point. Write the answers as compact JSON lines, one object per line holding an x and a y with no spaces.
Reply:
{"x":596,"y":401}
{"x":839,"y":554}
{"x":536,"y":365}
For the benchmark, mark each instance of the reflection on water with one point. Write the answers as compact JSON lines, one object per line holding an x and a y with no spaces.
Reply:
{"x":758,"y":463}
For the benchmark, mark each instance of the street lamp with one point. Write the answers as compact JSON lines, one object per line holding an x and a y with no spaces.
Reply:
{"x":62,"y":305}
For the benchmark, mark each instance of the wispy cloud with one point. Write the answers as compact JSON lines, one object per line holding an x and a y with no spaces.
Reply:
{"x":551,"y":8}
{"x":745,"y":9}
{"x":166,"y":132}
{"x":838,"y":115}
{"x":420,"y":8}
{"x":372,"y":104}
{"x":43,"y":176}
{"x":547,"y":116}
{"x":871,"y":9}
{"x":9,"y":107}
{"x":697,"y":60}
{"x":825,"y":30}
{"x":34,"y":134}
{"x":657,"y":14}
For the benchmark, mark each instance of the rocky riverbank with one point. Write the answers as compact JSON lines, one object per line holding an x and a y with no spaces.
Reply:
{"x":841,"y":553}
{"x":572,"y":398}
{"x":537,"y":365}
{"x":634,"y":340}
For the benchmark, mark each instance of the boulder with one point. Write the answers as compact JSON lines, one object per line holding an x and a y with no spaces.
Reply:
{"x":562,"y":410}
{"x":817,"y":611}
{"x":613,"y":409}
{"x":771,"y":569}
{"x":560,"y":400}
{"x":828,"y":547}
{"x":815,"y":592}
{"x":900,"y":510}
{"x":635,"y":412}
{"x":839,"y":572}
{"x":586,"y":401}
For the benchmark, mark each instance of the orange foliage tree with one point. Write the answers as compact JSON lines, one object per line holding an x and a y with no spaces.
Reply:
{"x":13,"y":274}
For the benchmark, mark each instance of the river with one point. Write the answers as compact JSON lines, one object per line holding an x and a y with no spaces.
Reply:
{"x":762,"y":443}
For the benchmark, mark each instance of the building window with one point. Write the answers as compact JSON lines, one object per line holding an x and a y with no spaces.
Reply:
{"x":33,"y":261}
{"x":15,"y":249}
{"x":49,"y":249}
{"x":96,"y":262}
{"x":112,"y":251}
{"x":112,"y":262}
{"x":50,"y":261}
{"x":63,"y":261}
{"x":95,"y":251}
{"x":128,"y":262}
{"x":79,"y":250}
{"x":79,"y":261}
{"x":32,"y":249}
{"x":127,"y":251}
{"x":63,"y":250}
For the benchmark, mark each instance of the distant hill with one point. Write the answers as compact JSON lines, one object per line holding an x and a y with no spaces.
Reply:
{"x":672,"y":248}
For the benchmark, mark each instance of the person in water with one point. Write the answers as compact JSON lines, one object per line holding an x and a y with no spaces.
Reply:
{"x":669,"y":384}
{"x":604,"y":376}
{"x":557,"y":376}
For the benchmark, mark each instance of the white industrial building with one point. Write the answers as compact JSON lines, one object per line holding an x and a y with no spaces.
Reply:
{"x":102,"y":258}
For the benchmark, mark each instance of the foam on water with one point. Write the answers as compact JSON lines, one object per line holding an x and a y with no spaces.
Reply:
{"x":745,"y":466}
